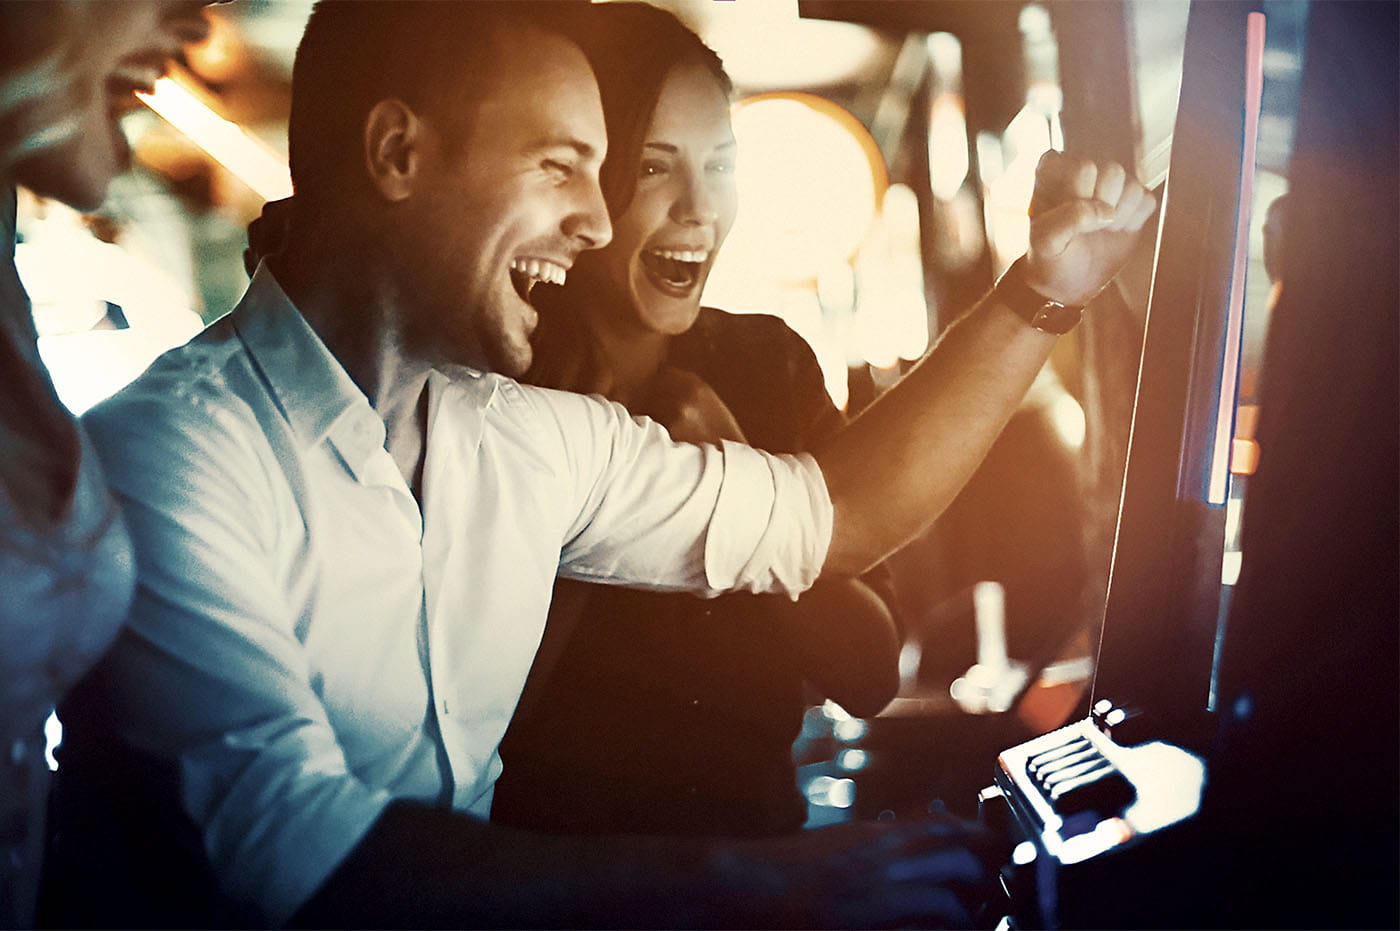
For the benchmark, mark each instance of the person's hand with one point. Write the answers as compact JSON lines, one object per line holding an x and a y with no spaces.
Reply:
{"x":928,"y":874}
{"x":1085,"y":220}
{"x":689,"y":409}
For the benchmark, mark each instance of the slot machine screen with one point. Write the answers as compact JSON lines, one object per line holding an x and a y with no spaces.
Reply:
{"x":1162,"y":618}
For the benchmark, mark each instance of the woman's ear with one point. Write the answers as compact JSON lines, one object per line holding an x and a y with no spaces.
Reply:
{"x":395,"y":138}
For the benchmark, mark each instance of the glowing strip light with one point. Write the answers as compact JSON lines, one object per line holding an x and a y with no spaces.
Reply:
{"x":1234,"y":321}
{"x":249,"y":159}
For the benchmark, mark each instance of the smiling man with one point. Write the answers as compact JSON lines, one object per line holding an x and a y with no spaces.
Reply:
{"x":348,"y":518}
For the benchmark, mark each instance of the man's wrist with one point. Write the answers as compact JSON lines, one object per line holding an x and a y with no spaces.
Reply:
{"x":1041,"y":312}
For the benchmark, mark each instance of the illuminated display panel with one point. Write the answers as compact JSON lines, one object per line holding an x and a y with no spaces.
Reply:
{"x":1160,"y":622}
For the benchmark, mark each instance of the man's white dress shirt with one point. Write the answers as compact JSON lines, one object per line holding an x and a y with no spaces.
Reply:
{"x":307,"y":643}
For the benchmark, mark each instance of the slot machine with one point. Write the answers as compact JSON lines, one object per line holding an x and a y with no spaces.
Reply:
{"x":1237,"y":766}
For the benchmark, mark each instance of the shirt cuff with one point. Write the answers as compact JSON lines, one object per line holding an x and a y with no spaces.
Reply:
{"x":772,"y":523}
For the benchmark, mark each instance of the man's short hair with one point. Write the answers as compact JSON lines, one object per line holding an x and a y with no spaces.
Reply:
{"x":440,"y":58}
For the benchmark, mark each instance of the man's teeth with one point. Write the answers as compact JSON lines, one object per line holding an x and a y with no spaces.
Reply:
{"x":683,"y":255}
{"x":126,"y":78}
{"x":539,"y":270}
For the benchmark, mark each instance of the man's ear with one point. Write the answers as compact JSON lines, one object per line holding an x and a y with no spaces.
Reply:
{"x":395,"y":146}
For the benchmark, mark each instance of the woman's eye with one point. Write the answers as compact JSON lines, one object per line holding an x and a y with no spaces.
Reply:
{"x":651,"y":169}
{"x":560,"y":170}
{"x":722,"y":168}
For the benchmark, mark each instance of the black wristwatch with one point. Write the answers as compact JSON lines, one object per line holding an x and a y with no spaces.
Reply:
{"x":1033,"y":307}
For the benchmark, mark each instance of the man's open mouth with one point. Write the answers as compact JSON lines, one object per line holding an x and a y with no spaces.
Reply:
{"x":525,"y":273}
{"x":121,"y":97}
{"x":679,"y":269}
{"x":132,"y":75}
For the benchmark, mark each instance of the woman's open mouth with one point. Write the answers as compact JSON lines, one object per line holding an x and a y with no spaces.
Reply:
{"x":675,"y":271}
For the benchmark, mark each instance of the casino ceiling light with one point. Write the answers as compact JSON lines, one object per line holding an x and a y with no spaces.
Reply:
{"x":765,"y":45}
{"x":810,"y":183}
{"x":249,"y":159}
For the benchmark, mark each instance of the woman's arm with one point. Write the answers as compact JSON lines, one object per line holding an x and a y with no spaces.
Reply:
{"x":847,"y":642}
{"x":842,"y":631}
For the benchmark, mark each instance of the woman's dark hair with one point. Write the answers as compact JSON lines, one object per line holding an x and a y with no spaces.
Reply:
{"x":632,"y":46}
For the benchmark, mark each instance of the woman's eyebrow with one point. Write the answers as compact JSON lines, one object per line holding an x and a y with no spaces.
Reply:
{"x":673,"y":149}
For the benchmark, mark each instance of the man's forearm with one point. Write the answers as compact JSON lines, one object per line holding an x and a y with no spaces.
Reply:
{"x":424,"y":867}
{"x":906,"y":457}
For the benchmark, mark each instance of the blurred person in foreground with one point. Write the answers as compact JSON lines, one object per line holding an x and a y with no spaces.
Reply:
{"x":348,"y":515}
{"x":68,"y":71}
{"x":652,"y":712}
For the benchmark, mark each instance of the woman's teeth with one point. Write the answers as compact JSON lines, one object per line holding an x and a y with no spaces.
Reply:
{"x":683,"y":255}
{"x":677,"y":268}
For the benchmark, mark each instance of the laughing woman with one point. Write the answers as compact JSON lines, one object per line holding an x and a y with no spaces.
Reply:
{"x":67,"y":71}
{"x":650,"y":712}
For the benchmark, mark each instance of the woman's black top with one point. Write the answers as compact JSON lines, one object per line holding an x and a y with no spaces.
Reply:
{"x":652,"y":712}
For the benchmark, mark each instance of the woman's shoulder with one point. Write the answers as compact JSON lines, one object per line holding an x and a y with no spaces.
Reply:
{"x":729,"y":323}
{"x":764,"y":371}
{"x":763,"y":340}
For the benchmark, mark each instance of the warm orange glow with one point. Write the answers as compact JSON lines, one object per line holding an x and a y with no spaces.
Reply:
{"x":814,"y":205}
{"x":1244,"y":456}
{"x":1246,"y":421}
{"x":221,"y":56}
{"x":811,"y":180}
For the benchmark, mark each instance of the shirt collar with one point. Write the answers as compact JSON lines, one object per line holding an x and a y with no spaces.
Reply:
{"x":315,"y":393}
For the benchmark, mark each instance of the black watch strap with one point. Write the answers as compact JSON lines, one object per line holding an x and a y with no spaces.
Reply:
{"x":1032,"y":306}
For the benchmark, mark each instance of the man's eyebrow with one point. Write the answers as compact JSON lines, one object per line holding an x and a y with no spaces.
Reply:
{"x":584,"y":149}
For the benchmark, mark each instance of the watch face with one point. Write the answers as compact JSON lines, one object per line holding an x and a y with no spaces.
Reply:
{"x":1053,"y":317}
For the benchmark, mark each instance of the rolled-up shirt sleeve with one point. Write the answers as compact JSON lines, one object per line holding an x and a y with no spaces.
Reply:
{"x":210,"y":674}
{"x":772,"y":523}
{"x":653,"y":513}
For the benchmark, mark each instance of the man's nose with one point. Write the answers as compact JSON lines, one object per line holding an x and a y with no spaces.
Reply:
{"x":185,"y":20}
{"x":590,"y":223}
